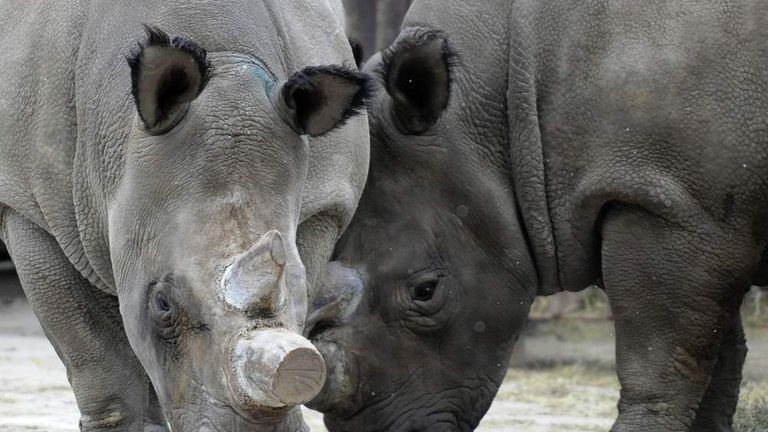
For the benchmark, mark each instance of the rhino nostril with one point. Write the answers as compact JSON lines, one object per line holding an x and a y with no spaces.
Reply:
{"x":320,"y":327}
{"x":277,"y":249}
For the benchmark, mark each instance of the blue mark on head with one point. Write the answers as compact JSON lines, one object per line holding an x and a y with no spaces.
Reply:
{"x":261,"y":71}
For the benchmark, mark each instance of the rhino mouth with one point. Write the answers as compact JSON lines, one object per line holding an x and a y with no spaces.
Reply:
{"x":391,"y":422}
{"x":342,"y":384}
{"x":217,"y":417}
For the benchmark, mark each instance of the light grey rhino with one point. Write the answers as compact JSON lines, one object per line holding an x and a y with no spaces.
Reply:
{"x":167,"y":214}
{"x":521,"y":148}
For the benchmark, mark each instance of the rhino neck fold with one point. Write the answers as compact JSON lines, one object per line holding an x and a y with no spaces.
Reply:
{"x":526,"y":153}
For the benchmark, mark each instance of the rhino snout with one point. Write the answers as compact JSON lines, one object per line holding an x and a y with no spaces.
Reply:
{"x":341,"y":384}
{"x":275,"y":368}
{"x":337,"y":297}
{"x":255,"y":282}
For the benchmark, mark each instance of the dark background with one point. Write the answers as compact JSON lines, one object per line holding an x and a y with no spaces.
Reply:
{"x":9,"y":284}
{"x":375,"y":23}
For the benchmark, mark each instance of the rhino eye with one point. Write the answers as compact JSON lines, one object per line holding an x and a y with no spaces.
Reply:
{"x":162,"y":303}
{"x":164,"y":311}
{"x":424,"y":291}
{"x":425,"y":302}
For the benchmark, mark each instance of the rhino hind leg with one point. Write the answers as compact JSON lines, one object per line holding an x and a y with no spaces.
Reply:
{"x":675,"y":288}
{"x":83,"y":324}
{"x":716,"y":410}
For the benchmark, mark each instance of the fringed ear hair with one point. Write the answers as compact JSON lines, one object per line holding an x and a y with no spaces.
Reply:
{"x":166,"y":75}
{"x":319,"y":99}
{"x":417,"y":73}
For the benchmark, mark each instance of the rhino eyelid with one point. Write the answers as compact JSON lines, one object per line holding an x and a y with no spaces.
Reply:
{"x":167,"y":292}
{"x":165,"y":278}
{"x":426,"y":275}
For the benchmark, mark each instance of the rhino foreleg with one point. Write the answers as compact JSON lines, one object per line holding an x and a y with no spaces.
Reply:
{"x":84,"y":326}
{"x":719,"y":403}
{"x":675,"y":286}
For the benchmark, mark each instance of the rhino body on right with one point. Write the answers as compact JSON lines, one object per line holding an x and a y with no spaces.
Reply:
{"x":522,"y":148}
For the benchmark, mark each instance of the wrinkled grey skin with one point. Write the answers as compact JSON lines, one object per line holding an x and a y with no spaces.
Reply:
{"x":99,"y":214}
{"x":619,"y":142}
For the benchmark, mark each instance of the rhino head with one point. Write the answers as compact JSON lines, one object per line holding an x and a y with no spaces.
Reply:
{"x":203,"y":230}
{"x":434,"y":256}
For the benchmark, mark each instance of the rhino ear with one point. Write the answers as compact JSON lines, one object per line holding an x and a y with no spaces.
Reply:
{"x":416,"y":71}
{"x":166,"y":75}
{"x":319,"y":99}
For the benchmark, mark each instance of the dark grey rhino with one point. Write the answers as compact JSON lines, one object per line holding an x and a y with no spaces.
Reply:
{"x":167,"y":216}
{"x":521,"y":148}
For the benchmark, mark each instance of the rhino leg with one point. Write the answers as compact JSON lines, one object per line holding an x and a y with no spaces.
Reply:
{"x":83,"y":324}
{"x":719,"y":403}
{"x":674,"y":287}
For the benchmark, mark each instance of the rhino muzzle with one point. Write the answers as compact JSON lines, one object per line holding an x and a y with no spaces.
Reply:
{"x":271,"y":366}
{"x":336,"y":298}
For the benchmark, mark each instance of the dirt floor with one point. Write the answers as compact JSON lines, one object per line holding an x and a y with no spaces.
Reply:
{"x":568,"y":383}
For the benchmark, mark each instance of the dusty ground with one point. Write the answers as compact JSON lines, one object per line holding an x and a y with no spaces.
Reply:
{"x":569,"y":384}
